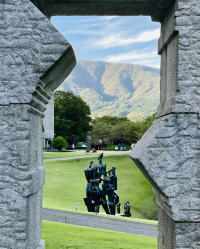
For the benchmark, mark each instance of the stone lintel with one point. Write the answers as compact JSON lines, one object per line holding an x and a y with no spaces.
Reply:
{"x":154,"y":8}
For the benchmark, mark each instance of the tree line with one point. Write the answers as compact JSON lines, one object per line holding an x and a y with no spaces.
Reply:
{"x":72,"y":122}
{"x":113,"y":130}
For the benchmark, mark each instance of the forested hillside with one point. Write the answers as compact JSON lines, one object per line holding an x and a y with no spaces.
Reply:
{"x":115,"y":89}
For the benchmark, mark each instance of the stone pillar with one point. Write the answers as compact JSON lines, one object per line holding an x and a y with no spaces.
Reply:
{"x":35,"y":58}
{"x":88,"y":143}
{"x":169,"y":152}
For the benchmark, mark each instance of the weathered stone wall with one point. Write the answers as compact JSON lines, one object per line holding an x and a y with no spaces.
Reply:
{"x":179,"y":49}
{"x":154,"y":8}
{"x":169,"y":152}
{"x":21,"y":176}
{"x":175,"y":234}
{"x":166,"y":227}
{"x":30,"y":46}
{"x":169,"y":156}
{"x":35,"y":58}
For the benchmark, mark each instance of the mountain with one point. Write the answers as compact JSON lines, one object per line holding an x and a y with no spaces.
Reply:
{"x":115,"y":89}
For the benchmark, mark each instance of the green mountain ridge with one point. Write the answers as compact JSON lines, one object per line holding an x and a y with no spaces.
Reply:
{"x":116,"y":89}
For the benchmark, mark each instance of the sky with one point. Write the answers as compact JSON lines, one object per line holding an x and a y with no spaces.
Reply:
{"x":112,"y":39}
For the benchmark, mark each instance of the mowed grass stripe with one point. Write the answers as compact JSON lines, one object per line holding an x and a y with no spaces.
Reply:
{"x":51,"y":155}
{"x":65,"y":185}
{"x":59,"y":235}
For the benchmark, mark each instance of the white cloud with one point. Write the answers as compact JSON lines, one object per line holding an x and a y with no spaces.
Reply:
{"x":131,"y":55}
{"x":99,"y":18}
{"x":82,"y":31}
{"x":115,"y":40}
{"x":60,"y":88}
{"x":149,"y":59}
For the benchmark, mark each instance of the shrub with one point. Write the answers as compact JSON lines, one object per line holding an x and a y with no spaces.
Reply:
{"x":59,"y":143}
{"x":111,"y":147}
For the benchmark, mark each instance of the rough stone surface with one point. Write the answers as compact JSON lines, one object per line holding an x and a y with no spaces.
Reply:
{"x":154,"y":8}
{"x":41,"y":245}
{"x":30,"y":46}
{"x":168,"y":154}
{"x":166,"y":227}
{"x":179,"y":50}
{"x":177,"y":234}
{"x":35,"y":58}
{"x":21,"y":176}
{"x":170,"y":158}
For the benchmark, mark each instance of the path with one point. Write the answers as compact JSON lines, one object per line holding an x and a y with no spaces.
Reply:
{"x":81,"y":156}
{"x":100,"y":222}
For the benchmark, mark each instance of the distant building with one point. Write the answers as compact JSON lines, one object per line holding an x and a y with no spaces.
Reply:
{"x":48,"y":123}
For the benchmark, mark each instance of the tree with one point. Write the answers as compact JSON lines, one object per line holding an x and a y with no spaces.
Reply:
{"x":114,"y":130}
{"x":108,"y":119}
{"x":59,"y":143}
{"x":100,"y":133}
{"x":71,"y":116}
{"x":133,"y":131}
{"x":117,"y":133}
{"x":147,"y":122}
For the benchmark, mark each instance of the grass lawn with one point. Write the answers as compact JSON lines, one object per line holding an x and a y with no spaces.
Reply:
{"x":59,"y":235}
{"x":65,"y":185}
{"x":49,"y":155}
